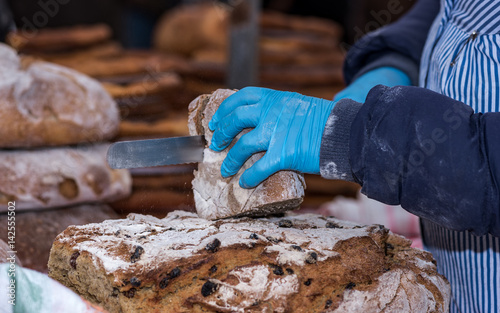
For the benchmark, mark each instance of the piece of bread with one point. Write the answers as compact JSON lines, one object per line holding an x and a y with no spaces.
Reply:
{"x":129,"y":63}
{"x":313,"y":26}
{"x":189,"y":28}
{"x":217,"y":197}
{"x":48,"y":178}
{"x":59,"y":39}
{"x":103,"y":50}
{"x":304,"y":263}
{"x":36,"y":231}
{"x":138,"y":89}
{"x":43,"y":104}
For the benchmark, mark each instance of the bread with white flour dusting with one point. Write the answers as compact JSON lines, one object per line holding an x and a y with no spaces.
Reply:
{"x":303,"y":263}
{"x":217,"y":197}
{"x":44,"y":104}
{"x":55,"y":177}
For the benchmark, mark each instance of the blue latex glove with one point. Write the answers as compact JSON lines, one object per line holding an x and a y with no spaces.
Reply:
{"x":289,"y":126}
{"x":388,"y":76}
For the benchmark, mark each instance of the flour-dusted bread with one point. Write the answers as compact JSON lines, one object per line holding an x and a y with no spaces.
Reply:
{"x":217,"y":197}
{"x":55,"y":177}
{"x":43,"y":104}
{"x":303,"y":263}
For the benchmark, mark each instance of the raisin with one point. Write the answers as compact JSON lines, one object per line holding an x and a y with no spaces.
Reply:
{"x":285,"y":223}
{"x":350,"y":285}
{"x":308,"y":282}
{"x":174,"y":273}
{"x":312,"y":258}
{"x":117,"y":232}
{"x":129,"y":293}
{"x":273,"y":240}
{"x":164,"y":283}
{"x":135,"y":282}
{"x":289,"y":271}
{"x":278,"y":270}
{"x":137,"y":254}
{"x":213,"y":246}
{"x":213,"y":269}
{"x":254,"y":236}
{"x":142,"y":237}
{"x":208,"y":288}
{"x":295,"y":247}
{"x":115,"y":292}
{"x":72,"y":259}
{"x":328,"y":303}
{"x":332,"y":225}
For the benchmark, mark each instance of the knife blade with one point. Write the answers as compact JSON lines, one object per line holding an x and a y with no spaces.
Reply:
{"x":156,"y":152}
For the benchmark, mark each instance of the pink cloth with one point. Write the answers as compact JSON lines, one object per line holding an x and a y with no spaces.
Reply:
{"x":367,"y":211}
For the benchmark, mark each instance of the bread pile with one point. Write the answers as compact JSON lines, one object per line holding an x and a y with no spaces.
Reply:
{"x":55,"y":122}
{"x":148,"y":90}
{"x":305,"y":263}
{"x":299,"y":54}
{"x":142,"y":82}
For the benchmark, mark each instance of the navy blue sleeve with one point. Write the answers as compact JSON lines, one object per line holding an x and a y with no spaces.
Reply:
{"x":425,"y":151}
{"x":399,"y":44}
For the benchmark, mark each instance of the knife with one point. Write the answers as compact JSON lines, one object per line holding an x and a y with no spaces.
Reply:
{"x":156,"y":152}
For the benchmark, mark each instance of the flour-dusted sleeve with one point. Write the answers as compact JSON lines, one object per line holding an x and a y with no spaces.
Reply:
{"x":398,"y":45}
{"x":425,"y":151}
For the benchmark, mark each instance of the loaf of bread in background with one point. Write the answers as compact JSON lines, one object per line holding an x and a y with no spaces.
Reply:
{"x":43,"y":104}
{"x":303,"y":263}
{"x":217,"y":197}
{"x":36,"y":230}
{"x":55,"y":177}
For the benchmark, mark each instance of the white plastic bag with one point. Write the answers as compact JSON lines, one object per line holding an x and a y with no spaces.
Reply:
{"x":26,"y":291}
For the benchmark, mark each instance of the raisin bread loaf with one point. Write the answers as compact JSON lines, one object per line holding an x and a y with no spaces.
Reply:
{"x":304,"y":263}
{"x":44,"y":104}
{"x":218,"y":197}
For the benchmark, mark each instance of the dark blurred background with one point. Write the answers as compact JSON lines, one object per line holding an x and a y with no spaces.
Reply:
{"x":132,"y":21}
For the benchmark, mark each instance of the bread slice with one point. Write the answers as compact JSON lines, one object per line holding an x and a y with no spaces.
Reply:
{"x":302,"y":264}
{"x":217,"y":197}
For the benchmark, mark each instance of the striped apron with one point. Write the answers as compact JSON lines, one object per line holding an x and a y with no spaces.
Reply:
{"x":461,"y":60}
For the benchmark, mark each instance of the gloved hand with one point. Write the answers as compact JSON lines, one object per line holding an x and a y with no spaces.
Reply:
{"x":289,"y":126}
{"x":388,"y":76}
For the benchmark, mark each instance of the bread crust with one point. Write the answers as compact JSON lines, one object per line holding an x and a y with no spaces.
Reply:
{"x":304,"y":263}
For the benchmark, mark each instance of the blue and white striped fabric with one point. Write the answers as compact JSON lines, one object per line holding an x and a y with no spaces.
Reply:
{"x":461,"y":60}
